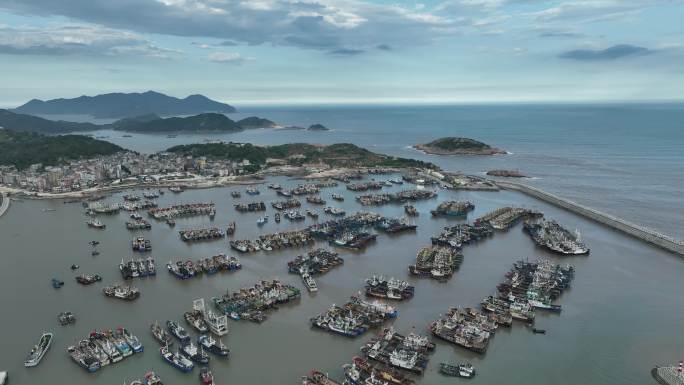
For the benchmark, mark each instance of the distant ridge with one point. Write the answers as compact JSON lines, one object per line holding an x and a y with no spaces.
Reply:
{"x":124,"y":105}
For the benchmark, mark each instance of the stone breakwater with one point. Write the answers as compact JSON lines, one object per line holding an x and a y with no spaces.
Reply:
{"x":645,"y":234}
{"x":4,"y":204}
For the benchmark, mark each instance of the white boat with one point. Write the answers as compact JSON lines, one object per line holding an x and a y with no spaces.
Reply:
{"x":309,"y":282}
{"x":3,"y":378}
{"x":217,"y":324}
{"x":38,"y":351}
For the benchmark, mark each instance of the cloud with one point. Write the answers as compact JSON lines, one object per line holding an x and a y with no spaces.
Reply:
{"x":76,"y":39}
{"x":610,"y":53}
{"x":325,"y":25}
{"x":346,"y":52}
{"x":594,"y":10}
{"x":228,"y":58}
{"x":561,"y":34}
{"x":383,"y":47}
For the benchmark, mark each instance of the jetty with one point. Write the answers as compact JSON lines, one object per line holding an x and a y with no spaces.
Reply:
{"x":4,"y":204}
{"x":645,"y":234}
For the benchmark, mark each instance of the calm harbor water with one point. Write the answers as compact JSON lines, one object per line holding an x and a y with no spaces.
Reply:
{"x":623,"y":159}
{"x":622,"y":315}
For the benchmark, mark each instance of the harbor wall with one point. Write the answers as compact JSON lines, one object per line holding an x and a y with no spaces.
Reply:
{"x":645,"y":234}
{"x":4,"y":204}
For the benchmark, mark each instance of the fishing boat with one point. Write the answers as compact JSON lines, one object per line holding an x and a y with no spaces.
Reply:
{"x":208,"y":343}
{"x":458,"y":370}
{"x":176,"y":360}
{"x":235,"y":194}
{"x":161,"y":335}
{"x":83,"y":359}
{"x":277,"y":217}
{"x":56,"y":283}
{"x":312,"y":214}
{"x":216,"y":324}
{"x":538,"y":331}
{"x":309,"y":282}
{"x":176,"y":189}
{"x":195,"y":319}
{"x":131,"y":339}
{"x":38,"y":351}
{"x":88,"y":279}
{"x":120,"y":343}
{"x":177,"y":331}
{"x":318,"y":378}
{"x":262,"y":221}
{"x":252,"y":191}
{"x":94,"y":350}
{"x":194,"y":353}
{"x":151,"y":378}
{"x":125,"y":292}
{"x":107,"y":346}
{"x":94,"y":223}
{"x":337,"y":197}
{"x":66,"y":318}
{"x":206,"y":377}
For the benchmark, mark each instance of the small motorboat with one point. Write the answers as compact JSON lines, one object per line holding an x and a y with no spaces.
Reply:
{"x":262,"y":221}
{"x":56,"y":283}
{"x":74,"y":267}
{"x":538,"y":331}
{"x":206,"y":377}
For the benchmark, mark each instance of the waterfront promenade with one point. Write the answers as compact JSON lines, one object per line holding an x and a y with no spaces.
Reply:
{"x":4,"y":204}
{"x":645,"y":234}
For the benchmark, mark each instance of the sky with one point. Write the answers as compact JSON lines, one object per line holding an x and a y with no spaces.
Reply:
{"x":357,"y":51}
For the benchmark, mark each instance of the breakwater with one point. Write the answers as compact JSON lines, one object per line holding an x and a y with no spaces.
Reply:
{"x":645,"y":234}
{"x":4,"y":204}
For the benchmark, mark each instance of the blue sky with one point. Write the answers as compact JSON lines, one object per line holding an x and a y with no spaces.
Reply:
{"x":331,"y":51}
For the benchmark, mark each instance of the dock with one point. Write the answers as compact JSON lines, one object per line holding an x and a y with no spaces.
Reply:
{"x":645,"y":234}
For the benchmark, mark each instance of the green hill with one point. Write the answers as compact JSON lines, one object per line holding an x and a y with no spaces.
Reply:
{"x":458,"y":146}
{"x":23,"y":149}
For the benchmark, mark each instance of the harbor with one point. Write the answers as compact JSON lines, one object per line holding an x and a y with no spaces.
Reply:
{"x":484,"y":266}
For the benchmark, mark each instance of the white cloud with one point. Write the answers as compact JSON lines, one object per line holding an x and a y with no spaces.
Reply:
{"x":76,"y":39}
{"x":228,"y":57}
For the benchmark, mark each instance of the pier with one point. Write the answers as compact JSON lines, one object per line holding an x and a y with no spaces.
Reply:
{"x":4,"y":204}
{"x":645,"y":234}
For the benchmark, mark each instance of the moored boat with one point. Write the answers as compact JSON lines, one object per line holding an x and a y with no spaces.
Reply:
{"x":458,"y":370}
{"x":208,"y":343}
{"x":38,"y":351}
{"x":176,"y":360}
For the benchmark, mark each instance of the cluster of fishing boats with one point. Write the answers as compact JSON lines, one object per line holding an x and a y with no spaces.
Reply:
{"x":334,"y":211}
{"x":399,"y":197}
{"x":355,"y":240}
{"x":251,"y":303}
{"x":554,"y":237}
{"x":316,"y":262}
{"x":279,"y":240}
{"x":462,"y":234}
{"x":436,"y":262}
{"x":315,"y":200}
{"x":506,"y":217}
{"x":286,"y":205}
{"x":103,"y":348}
{"x":138,"y":224}
{"x":66,"y":318}
{"x":183,"y":210}
{"x":408,"y":352}
{"x":354,"y":318}
{"x":536,"y":283}
{"x":125,"y":292}
{"x":189,"y":269}
{"x":250,"y":207}
{"x":395,"y":225}
{"x":468,"y":328}
{"x":137,"y":268}
{"x":193,"y":235}
{"x":370,"y":185}
{"x":379,"y":286}
{"x":453,"y":209}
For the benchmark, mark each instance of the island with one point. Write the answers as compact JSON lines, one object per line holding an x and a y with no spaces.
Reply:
{"x":318,"y":127}
{"x":458,"y":146}
{"x":255,"y":122}
{"x":124,"y":105}
{"x":506,"y":173}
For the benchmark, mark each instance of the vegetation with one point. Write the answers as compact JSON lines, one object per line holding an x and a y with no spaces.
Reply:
{"x":21,"y":122}
{"x":454,"y":145}
{"x":255,"y":122}
{"x":201,"y":122}
{"x":335,"y":155}
{"x":23,"y":149}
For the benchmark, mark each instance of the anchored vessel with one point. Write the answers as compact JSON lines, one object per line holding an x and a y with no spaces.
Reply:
{"x":124,"y":292}
{"x":38,"y":351}
{"x":554,"y":237}
{"x":379,"y":286}
{"x":453,"y":209}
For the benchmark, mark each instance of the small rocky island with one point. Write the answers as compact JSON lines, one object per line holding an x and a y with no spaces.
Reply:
{"x":318,"y":127}
{"x":458,"y":146}
{"x":506,"y":173}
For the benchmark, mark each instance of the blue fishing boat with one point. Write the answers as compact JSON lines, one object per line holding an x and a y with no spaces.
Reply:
{"x":176,"y":360}
{"x":178,"y":331}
